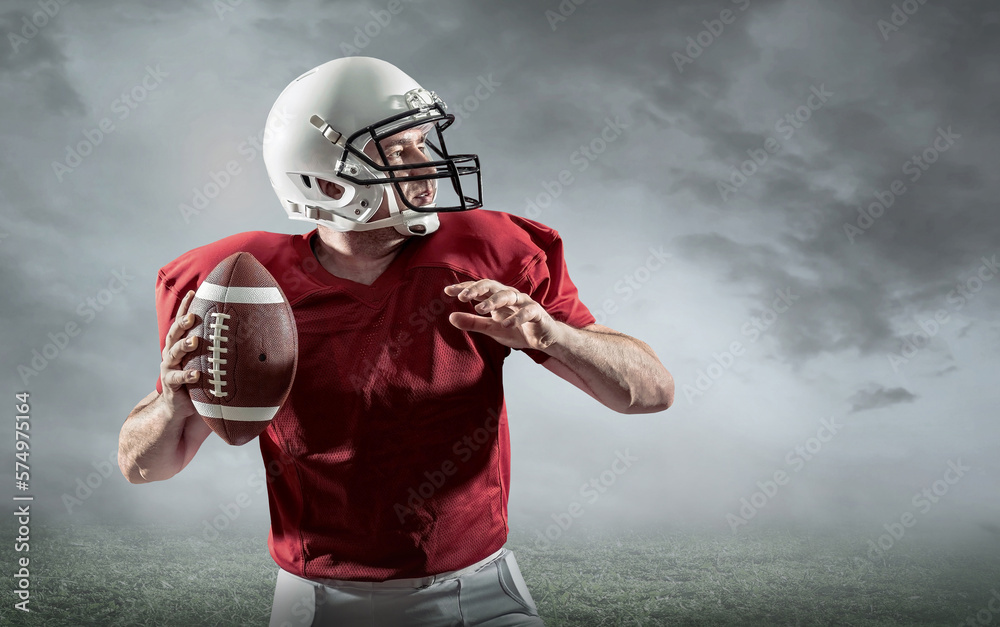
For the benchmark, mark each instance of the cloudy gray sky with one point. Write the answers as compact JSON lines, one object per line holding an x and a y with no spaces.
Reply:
{"x":739,"y":138}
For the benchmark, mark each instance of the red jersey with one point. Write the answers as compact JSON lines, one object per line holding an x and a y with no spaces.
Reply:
{"x":391,"y":456}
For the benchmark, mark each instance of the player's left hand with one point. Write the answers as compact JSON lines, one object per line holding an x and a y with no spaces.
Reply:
{"x":514,"y":320}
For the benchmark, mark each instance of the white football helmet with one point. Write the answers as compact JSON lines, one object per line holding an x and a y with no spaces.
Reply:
{"x":319,"y":128}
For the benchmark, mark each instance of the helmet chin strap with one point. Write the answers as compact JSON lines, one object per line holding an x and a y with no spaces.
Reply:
{"x":405,"y":221}
{"x":408,"y":218}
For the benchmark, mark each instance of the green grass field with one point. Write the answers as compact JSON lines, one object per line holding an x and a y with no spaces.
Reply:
{"x":168,"y":576}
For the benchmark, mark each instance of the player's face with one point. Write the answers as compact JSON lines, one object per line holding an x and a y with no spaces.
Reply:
{"x":409,"y":148}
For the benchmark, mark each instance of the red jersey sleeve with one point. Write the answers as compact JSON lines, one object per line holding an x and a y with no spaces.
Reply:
{"x":549,"y":285}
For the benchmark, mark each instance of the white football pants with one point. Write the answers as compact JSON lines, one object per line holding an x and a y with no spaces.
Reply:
{"x":489,"y":593}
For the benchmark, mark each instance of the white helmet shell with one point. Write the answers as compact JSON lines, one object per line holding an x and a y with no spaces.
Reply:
{"x":319,"y":127}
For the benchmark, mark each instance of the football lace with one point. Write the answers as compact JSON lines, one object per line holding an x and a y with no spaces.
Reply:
{"x":217,"y":362}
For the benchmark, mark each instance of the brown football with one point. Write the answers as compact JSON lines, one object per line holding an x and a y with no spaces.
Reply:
{"x":248,"y":351}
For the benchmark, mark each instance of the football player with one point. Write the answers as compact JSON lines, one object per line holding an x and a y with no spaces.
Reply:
{"x":388,"y":467}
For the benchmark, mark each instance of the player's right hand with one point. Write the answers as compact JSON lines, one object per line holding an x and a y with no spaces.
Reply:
{"x":175,"y":346}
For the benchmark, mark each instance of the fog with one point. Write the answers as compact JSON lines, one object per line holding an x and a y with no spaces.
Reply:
{"x":819,"y":178}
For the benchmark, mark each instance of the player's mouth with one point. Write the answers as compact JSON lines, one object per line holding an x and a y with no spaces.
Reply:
{"x":423,"y":197}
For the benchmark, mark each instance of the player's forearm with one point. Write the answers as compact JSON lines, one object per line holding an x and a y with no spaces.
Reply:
{"x":622,"y":372}
{"x":149,"y":446}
